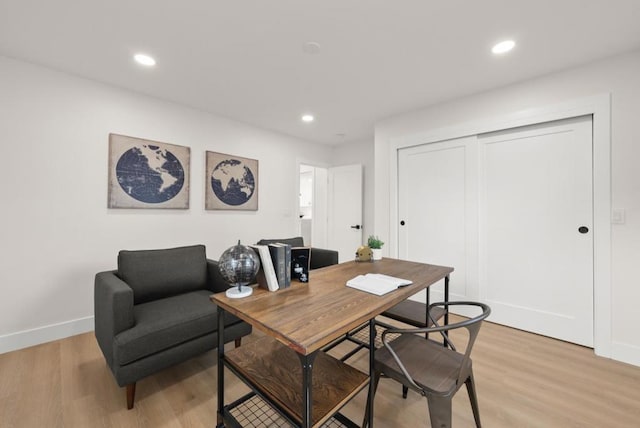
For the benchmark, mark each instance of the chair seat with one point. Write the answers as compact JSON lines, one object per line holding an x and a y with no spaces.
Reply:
{"x":432,"y":366}
{"x":165,"y":323}
{"x":413,"y":313}
{"x":435,"y":371}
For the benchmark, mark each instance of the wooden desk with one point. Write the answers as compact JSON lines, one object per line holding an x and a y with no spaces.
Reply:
{"x":305,"y":318}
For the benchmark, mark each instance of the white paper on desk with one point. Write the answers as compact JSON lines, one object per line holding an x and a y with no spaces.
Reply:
{"x":377,"y":283}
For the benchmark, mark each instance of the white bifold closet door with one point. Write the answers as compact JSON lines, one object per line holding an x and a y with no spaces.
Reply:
{"x":515,"y":221}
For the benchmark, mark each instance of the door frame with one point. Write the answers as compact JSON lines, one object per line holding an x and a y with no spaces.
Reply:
{"x":599,"y":106}
{"x":317,"y":218}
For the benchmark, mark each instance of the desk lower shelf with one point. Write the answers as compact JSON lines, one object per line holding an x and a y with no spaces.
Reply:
{"x":275,"y":372}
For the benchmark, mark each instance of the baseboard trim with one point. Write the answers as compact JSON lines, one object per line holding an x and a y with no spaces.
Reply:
{"x":48,"y":333}
{"x":626,"y":353}
{"x":623,"y":352}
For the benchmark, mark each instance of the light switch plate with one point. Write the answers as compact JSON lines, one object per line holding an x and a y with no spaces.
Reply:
{"x":617,"y":216}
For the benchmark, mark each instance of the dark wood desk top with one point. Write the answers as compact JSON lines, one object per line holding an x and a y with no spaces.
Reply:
{"x":308,"y":316}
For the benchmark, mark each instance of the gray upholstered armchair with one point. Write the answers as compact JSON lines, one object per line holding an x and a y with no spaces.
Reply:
{"x":154,"y":311}
{"x":319,"y":257}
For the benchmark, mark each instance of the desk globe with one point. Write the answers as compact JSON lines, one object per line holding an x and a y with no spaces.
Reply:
{"x":238,"y":266}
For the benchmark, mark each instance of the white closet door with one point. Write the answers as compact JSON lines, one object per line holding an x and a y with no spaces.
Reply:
{"x":536,"y":245}
{"x":438,"y":209}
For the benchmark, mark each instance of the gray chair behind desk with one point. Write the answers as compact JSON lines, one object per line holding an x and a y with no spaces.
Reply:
{"x":319,"y":257}
{"x":413,"y":313}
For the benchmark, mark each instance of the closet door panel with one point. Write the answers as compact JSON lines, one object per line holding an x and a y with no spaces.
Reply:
{"x":437,"y":208}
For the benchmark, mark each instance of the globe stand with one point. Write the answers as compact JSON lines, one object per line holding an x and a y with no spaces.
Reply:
{"x":239,"y":292}
{"x":238,"y":266}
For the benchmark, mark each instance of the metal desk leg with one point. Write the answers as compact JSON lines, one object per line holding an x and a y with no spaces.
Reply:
{"x":220,"y":418}
{"x":446,"y":313}
{"x":372,"y":360}
{"x":446,"y":299}
{"x":426,"y":310}
{"x":307,"y":387}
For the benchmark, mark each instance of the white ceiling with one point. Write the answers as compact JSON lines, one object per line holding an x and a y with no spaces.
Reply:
{"x":244,"y":59}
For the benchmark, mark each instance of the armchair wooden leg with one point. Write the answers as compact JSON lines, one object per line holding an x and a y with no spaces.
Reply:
{"x":238,"y":342}
{"x":131,"y":395}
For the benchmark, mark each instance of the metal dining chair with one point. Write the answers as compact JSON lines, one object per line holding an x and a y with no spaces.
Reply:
{"x":429,"y":368}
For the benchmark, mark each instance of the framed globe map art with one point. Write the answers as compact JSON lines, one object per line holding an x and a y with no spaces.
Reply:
{"x":231,"y":182}
{"x":147,"y":174}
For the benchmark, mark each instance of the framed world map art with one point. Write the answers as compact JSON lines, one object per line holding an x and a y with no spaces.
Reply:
{"x":231,"y":182}
{"x":147,"y":174}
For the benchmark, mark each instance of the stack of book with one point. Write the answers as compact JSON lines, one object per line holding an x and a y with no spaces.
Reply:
{"x":266,"y":277}
{"x":279,"y":263}
{"x":300,"y":262}
{"x":281,"y":258}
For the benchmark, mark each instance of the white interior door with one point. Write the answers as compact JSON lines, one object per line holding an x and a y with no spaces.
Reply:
{"x":438,"y":209}
{"x":536,"y":246}
{"x":345,"y":210}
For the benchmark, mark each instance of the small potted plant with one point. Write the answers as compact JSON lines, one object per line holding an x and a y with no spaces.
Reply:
{"x":376,"y":247}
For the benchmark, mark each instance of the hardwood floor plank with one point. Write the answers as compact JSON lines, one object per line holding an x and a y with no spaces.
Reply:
{"x":37,"y":393}
{"x":523,"y":380}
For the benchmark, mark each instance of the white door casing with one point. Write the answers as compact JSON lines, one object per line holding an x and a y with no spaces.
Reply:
{"x":318,"y":219}
{"x":345,"y":210}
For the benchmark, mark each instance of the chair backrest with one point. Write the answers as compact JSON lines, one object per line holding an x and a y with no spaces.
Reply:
{"x":472,"y":325}
{"x":154,"y":274}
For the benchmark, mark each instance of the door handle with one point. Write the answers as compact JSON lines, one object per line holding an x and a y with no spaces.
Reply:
{"x":583,"y":229}
{"x":357,"y":226}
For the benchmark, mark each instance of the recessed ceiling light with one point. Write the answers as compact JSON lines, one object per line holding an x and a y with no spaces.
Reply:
{"x":307,"y":118}
{"x":503,"y":47}
{"x":311,"y":48}
{"x":144,"y":60}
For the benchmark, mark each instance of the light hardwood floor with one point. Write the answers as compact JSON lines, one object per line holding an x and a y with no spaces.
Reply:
{"x":523,"y":380}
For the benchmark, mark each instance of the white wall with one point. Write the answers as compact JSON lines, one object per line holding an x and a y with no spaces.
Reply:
{"x":360,"y":152}
{"x":56,"y":229}
{"x":619,"y":76}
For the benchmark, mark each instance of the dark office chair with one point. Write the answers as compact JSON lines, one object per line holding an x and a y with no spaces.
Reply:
{"x":429,"y":368}
{"x":320,"y":257}
{"x":414,"y":314}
